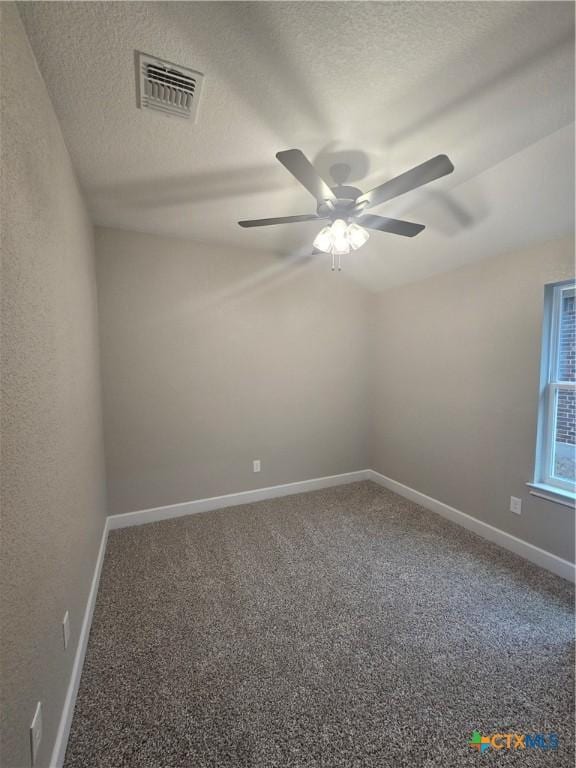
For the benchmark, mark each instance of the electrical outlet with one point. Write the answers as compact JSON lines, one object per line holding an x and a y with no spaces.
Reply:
{"x":66,"y":629}
{"x":256,"y":466}
{"x":515,"y":505}
{"x":36,"y":732}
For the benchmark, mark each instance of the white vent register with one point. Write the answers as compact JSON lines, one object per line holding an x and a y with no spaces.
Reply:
{"x":168,"y":87}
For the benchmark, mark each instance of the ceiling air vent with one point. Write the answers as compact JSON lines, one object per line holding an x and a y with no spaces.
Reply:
{"x":168,"y":87}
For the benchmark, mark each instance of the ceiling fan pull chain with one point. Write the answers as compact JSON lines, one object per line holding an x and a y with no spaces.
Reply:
{"x":333,"y":262}
{"x":339,"y":262}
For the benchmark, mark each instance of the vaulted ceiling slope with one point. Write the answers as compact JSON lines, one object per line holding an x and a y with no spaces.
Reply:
{"x":382,"y":86}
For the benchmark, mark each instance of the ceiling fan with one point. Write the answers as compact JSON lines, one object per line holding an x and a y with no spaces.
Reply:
{"x":345,"y":206}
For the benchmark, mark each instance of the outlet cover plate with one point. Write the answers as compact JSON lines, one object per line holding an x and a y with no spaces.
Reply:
{"x":515,"y":505}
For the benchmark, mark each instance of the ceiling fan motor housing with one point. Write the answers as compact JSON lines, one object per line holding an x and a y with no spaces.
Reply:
{"x":342,"y":208}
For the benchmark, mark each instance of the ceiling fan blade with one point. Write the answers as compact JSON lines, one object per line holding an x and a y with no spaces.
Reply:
{"x":302,"y":169}
{"x":422,"y":174}
{"x":281,"y":220}
{"x":395,"y":226}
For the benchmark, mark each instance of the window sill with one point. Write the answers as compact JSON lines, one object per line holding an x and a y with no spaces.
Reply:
{"x":551,"y":493}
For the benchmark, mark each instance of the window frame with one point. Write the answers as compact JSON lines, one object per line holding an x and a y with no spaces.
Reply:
{"x":550,"y":387}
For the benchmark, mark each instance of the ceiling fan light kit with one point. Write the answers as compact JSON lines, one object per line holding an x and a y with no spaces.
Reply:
{"x":345,"y":206}
{"x":340,"y":239}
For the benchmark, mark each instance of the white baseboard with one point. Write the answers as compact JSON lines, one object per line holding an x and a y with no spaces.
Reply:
{"x":59,"y":750}
{"x":523,"y":548}
{"x":231,"y":500}
{"x":528,"y":551}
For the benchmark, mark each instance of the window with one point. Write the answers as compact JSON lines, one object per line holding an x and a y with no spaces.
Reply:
{"x":556,"y":447}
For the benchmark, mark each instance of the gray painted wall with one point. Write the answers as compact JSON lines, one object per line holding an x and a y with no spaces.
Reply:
{"x":455,"y":372}
{"x":212,"y":357}
{"x":210,"y":354}
{"x":52,"y":480}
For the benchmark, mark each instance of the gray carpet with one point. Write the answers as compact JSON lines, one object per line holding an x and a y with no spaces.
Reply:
{"x":340,"y":628}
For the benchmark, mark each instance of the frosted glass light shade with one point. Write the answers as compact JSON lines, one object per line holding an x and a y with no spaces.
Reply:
{"x":340,"y":246}
{"x":357,"y":236}
{"x":339,"y":228}
{"x":323,"y":241}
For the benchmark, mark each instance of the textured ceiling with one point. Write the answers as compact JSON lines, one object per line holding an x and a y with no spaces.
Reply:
{"x":384,"y":86}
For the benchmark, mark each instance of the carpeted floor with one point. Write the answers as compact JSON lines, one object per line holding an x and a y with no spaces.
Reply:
{"x":341,"y":628}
